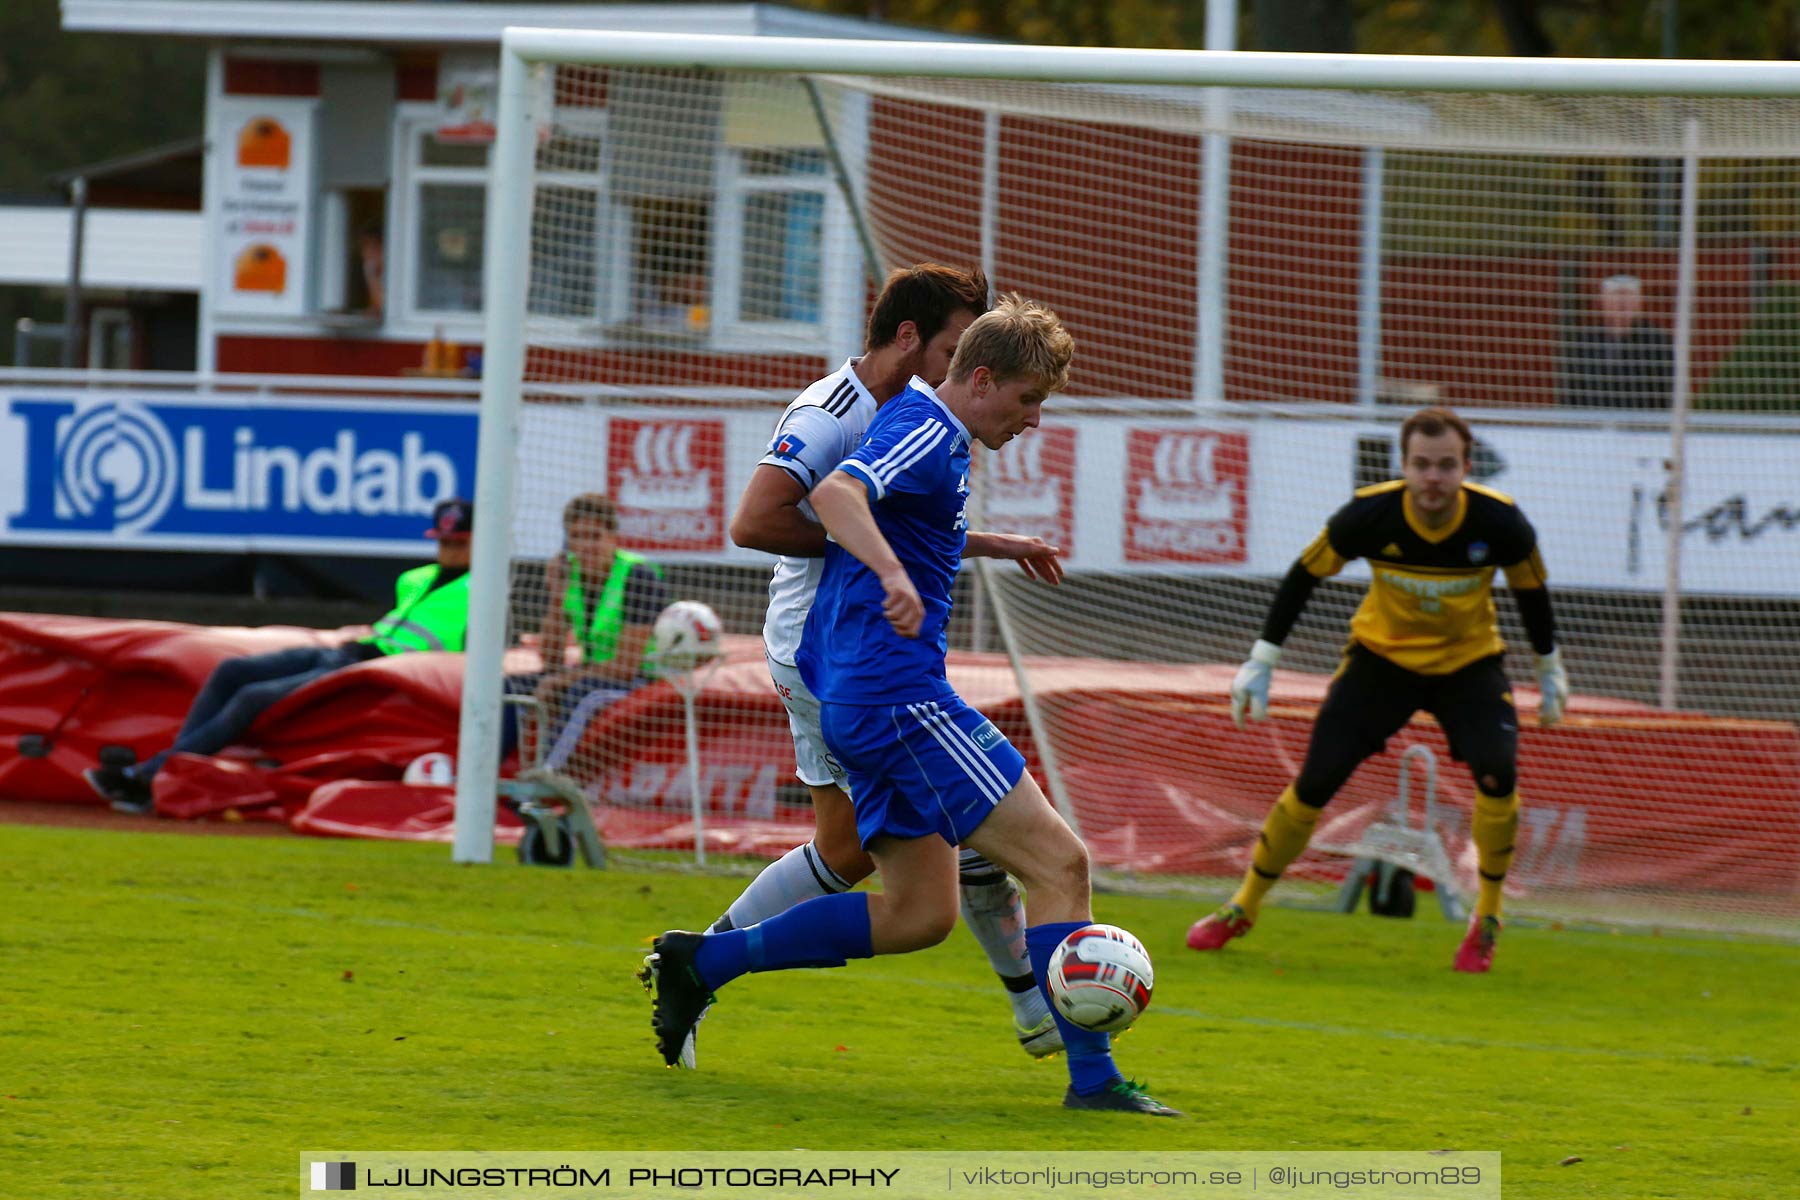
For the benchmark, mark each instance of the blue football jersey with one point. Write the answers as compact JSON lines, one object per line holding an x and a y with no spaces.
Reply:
{"x":915,"y":464}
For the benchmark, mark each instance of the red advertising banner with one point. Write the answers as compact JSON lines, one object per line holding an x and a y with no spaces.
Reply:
{"x":668,"y":478}
{"x":1031,"y":487}
{"x":1187,"y":496}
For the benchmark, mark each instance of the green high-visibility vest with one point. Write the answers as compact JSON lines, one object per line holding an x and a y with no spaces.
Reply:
{"x":424,"y":618}
{"x":600,"y":640}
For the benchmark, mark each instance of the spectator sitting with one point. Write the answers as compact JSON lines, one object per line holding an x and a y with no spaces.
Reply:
{"x":431,"y":612}
{"x":609,"y":599}
{"x":1625,"y":360}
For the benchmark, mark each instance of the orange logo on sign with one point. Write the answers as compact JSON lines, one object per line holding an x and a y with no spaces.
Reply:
{"x":259,"y":268}
{"x":262,"y":142}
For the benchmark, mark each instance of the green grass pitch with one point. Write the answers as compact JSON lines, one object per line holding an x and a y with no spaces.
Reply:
{"x":183,"y":1015}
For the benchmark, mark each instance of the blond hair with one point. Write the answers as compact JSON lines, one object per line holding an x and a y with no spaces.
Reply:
{"x":1018,"y":339}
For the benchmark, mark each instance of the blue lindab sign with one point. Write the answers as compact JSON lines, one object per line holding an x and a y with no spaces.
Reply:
{"x":231,"y":475}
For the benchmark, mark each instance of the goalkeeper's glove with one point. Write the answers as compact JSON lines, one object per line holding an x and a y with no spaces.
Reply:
{"x":1251,"y":686}
{"x":1553,"y":688}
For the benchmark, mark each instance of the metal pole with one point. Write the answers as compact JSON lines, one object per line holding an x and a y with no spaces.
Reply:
{"x":1034,"y":717}
{"x":1215,"y":218}
{"x":689,"y":687}
{"x":1201,"y":68}
{"x":503,"y":369}
{"x":871,"y":257}
{"x":1368,"y":298}
{"x":1680,"y":405}
{"x":71,"y":347}
{"x":978,"y":473}
{"x":990,"y":191}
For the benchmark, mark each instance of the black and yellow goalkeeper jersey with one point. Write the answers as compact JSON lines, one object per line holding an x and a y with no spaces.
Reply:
{"x":1430,"y":606}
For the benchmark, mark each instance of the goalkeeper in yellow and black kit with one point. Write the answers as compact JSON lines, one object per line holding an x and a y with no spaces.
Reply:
{"x":1425,"y":637}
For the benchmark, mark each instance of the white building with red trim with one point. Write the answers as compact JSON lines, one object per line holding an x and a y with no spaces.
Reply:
{"x":328,"y":124}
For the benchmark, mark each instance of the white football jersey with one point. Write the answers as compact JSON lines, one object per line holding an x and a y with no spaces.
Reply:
{"x":816,"y":433}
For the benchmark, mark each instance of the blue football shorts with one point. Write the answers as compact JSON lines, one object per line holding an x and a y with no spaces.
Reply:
{"x":921,"y":768}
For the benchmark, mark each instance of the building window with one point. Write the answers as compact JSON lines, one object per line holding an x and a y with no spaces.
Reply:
{"x":447,"y":195}
{"x":573,"y":225}
{"x":775,"y":204}
{"x":783,"y":225}
{"x":705,"y":236}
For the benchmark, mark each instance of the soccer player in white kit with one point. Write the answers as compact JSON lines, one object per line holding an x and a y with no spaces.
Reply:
{"x":912,"y":330}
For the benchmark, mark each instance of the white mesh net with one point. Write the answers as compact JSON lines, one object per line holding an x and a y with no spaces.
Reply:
{"x":700,"y":253}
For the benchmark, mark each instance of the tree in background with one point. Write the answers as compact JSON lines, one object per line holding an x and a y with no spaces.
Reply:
{"x":1731,"y":29}
{"x":73,"y":98}
{"x":69,"y":98}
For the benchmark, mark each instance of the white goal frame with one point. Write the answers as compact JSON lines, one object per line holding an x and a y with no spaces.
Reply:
{"x":524,"y":50}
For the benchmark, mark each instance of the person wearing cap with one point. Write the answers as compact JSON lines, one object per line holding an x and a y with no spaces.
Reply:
{"x":604,"y":598}
{"x":1625,"y":359}
{"x":431,"y":612}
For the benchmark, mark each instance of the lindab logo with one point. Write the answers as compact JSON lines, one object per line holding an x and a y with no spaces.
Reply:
{"x":1187,"y":496}
{"x":126,"y":467}
{"x":668,"y":478}
{"x":1031,"y":487}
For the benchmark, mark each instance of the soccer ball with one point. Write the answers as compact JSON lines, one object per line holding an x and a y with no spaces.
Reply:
{"x":687,"y":635}
{"x":1100,"y":978}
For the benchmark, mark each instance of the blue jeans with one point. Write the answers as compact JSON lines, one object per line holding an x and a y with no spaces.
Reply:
{"x":237,"y":692}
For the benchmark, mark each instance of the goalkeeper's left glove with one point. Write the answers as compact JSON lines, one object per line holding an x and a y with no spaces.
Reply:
{"x":1553,"y":688}
{"x":1250,"y":687}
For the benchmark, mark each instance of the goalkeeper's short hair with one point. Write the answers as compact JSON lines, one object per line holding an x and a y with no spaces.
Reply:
{"x":1436,"y":420}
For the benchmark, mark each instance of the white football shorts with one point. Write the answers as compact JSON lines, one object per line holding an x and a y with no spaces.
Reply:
{"x":813,"y":762}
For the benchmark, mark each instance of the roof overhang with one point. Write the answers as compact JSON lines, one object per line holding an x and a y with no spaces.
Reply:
{"x":438,"y":24}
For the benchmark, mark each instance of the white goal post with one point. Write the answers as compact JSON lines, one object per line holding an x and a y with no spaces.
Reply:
{"x":1413,"y":207}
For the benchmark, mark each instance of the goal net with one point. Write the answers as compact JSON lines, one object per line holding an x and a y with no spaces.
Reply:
{"x":1607,"y":286}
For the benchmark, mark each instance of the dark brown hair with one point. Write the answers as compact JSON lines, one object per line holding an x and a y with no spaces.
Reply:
{"x":1433,"y":421}
{"x":591,"y":506}
{"x":927,"y":295}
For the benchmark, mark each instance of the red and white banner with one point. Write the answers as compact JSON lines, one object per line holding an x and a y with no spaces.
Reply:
{"x":1187,"y":496}
{"x":1030,"y":487}
{"x":1230,"y":496}
{"x":668,"y":478}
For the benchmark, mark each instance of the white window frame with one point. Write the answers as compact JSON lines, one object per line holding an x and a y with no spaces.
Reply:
{"x":733,"y":188}
{"x":412,"y":124}
{"x":727,"y":332}
{"x":612,"y":224}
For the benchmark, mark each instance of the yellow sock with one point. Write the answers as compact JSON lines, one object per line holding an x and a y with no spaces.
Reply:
{"x":1285,"y":832}
{"x":1495,"y":828}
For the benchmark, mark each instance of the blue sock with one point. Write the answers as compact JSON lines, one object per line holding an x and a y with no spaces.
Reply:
{"x":824,"y":932}
{"x":1090,"y":1054}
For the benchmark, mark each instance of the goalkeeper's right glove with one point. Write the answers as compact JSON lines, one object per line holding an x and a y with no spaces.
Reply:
{"x":1251,"y":686}
{"x":1553,"y":688}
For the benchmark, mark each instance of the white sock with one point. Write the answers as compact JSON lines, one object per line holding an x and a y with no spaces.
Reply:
{"x":798,"y":875}
{"x":996,"y":916}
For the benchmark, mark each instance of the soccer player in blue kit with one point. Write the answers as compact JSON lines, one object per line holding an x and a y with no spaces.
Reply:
{"x":927,"y":772}
{"x":913,"y":330}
